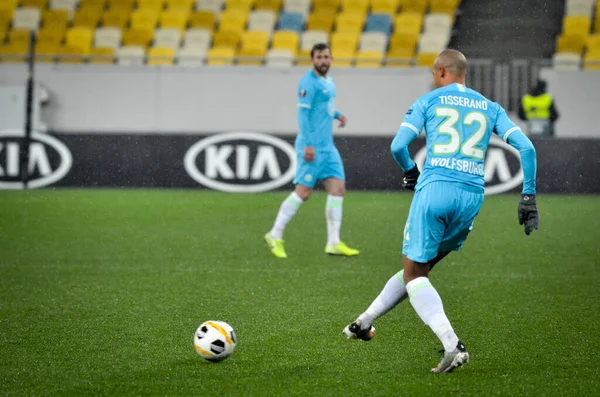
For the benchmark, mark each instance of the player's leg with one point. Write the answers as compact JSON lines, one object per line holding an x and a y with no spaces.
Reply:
{"x":305,"y":183}
{"x":334,"y":179}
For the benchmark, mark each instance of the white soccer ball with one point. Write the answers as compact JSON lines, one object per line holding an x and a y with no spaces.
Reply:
{"x":215,"y":340}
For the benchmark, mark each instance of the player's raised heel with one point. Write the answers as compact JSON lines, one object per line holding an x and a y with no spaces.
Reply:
{"x":452,"y":360}
{"x":276,"y":246}
{"x":353,"y":331}
{"x":341,"y":249}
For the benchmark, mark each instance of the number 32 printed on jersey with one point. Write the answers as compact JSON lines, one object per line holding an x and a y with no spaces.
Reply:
{"x":468,"y":147}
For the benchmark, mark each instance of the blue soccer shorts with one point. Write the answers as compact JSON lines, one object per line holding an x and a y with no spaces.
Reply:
{"x":327,"y":164}
{"x":440,"y":219}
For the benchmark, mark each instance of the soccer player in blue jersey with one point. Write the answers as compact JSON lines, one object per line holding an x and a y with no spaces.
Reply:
{"x":318,"y":158}
{"x":458,"y":124}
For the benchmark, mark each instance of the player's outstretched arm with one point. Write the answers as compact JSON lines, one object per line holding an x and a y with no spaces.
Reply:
{"x":400,"y":153}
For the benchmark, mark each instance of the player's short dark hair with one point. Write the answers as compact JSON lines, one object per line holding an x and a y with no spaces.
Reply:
{"x":319,"y":47}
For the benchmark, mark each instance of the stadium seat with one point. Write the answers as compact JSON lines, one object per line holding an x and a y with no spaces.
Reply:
{"x":19,"y":37}
{"x":253,"y":47}
{"x":79,"y":37}
{"x":404,"y":41}
{"x":399,"y":57}
{"x":145,"y":19}
{"x":369,"y":59}
{"x":174,"y":19}
{"x":355,"y":6}
{"x":566,"y":61}
{"x":233,"y":20}
{"x":341,"y":41}
{"x":192,"y":56}
{"x":301,"y":7}
{"x":408,"y":23}
{"x":66,"y":5}
{"x":291,"y":21}
{"x":102,"y":55}
{"x":227,"y":38}
{"x":437,"y":23}
{"x":197,"y":38}
{"x":268,"y":5}
{"x":26,"y":18}
{"x":321,"y":21}
{"x":13,"y":53}
{"x":379,"y":23}
{"x":115,"y":19}
{"x":286,"y":40}
{"x":570,"y":44}
{"x":220,"y":56}
{"x":140,"y":37}
{"x":373,"y":42}
{"x":433,"y":42}
{"x":72,"y":54}
{"x":55,"y":18}
{"x":130,"y":55}
{"x":443,"y":6}
{"x":592,"y":43}
{"x":344,"y":58}
{"x":161,"y":56}
{"x":350,"y":21}
{"x":311,"y":37}
{"x":150,"y":5}
{"x":591,"y":61}
{"x":576,"y":26}
{"x":46,"y":51}
{"x":87,"y":18}
{"x":279,"y":58}
{"x":180,"y":5}
{"x":425,"y":59}
{"x":327,"y":5}
{"x":242,"y":5}
{"x":210,"y":5}
{"x":167,"y":38}
{"x":417,"y":6}
{"x":202,"y":19}
{"x":108,"y":37}
{"x":579,"y":7}
{"x":262,"y":20}
{"x":50,"y":35}
{"x":41,"y":4}
{"x":387,"y":7}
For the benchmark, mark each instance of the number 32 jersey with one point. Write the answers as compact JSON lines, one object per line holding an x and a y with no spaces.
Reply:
{"x":458,"y":123}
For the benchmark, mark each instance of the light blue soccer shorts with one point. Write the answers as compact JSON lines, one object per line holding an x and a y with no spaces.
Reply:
{"x":440,"y":218}
{"x":327,"y":164}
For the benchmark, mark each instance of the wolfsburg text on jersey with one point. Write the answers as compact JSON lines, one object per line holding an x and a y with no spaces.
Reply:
{"x":470,"y":167}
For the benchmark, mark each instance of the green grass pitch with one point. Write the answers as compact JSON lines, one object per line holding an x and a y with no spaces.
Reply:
{"x":101,"y":292}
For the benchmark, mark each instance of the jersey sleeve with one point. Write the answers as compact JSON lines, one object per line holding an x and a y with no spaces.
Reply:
{"x":306,"y":93}
{"x":415,"y":117}
{"x":504,"y":125}
{"x":410,"y":128}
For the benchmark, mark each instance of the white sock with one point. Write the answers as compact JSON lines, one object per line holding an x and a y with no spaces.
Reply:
{"x":428,"y":305}
{"x":288,"y":209}
{"x":333,"y":213}
{"x":391,"y":295}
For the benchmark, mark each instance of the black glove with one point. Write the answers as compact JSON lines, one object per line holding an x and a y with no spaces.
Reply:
{"x":410,"y":178}
{"x":528,"y":213}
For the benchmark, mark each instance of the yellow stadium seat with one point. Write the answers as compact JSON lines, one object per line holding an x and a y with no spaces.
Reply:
{"x":55,"y":18}
{"x":358,"y":6}
{"x":343,"y":58}
{"x":87,"y":18}
{"x":161,"y":56}
{"x":233,"y":20}
{"x":9,"y":4}
{"x":285,"y":40}
{"x":251,"y":56}
{"x":46,"y":51}
{"x":138,"y":36}
{"x":425,"y":59}
{"x":50,"y":35}
{"x":592,"y":44}
{"x":570,"y":43}
{"x":174,"y":19}
{"x":389,"y":7}
{"x":255,"y":39}
{"x":35,"y":3}
{"x":114,"y":19}
{"x":344,"y":41}
{"x":202,"y":19}
{"x":121,"y":4}
{"x":272,"y":5}
{"x":220,"y":56}
{"x":80,"y":38}
{"x":303,"y":58}
{"x":327,"y":5}
{"x":399,"y":57}
{"x":92,"y":4}
{"x":321,"y":21}
{"x":102,"y":55}
{"x":592,"y":61}
{"x":19,"y":37}
{"x":408,"y":22}
{"x":72,"y":54}
{"x":242,"y":5}
{"x":13,"y":53}
{"x":417,"y":6}
{"x":151,"y":5}
{"x":181,"y":5}
{"x":443,"y":6}
{"x":227,"y":38}
{"x":350,"y":22}
{"x":369,"y":59}
{"x":144,"y":19}
{"x":403,"y":41}
{"x":576,"y":26}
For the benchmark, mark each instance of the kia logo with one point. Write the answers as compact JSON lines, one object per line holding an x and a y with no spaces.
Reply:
{"x":502,"y":170}
{"x":241,"y":162}
{"x":49,"y":159}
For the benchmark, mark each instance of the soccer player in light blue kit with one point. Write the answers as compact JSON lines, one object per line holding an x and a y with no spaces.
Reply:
{"x":458,"y":124}
{"x":318,"y":158}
